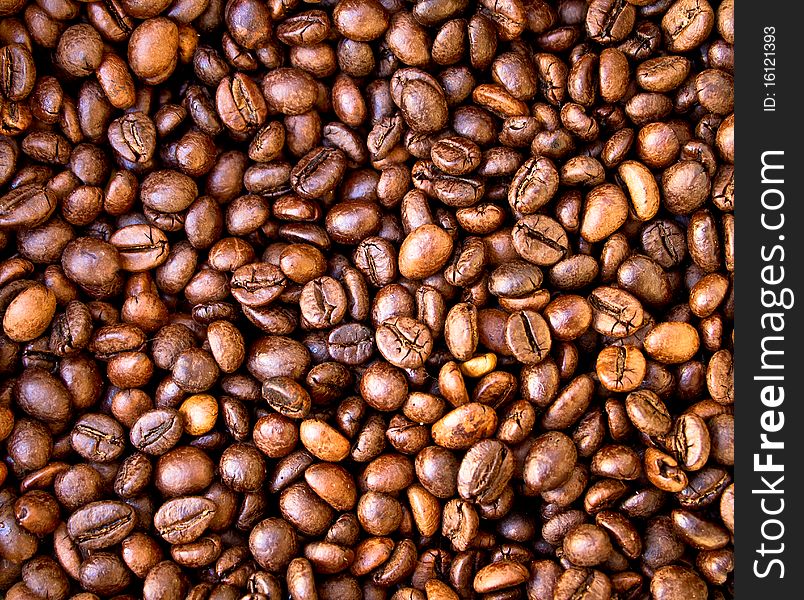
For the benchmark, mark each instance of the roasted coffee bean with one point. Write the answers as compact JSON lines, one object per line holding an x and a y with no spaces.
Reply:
{"x":615,"y":312}
{"x":621,"y":368}
{"x":404,"y":342}
{"x":690,"y":441}
{"x":484,"y":471}
{"x":549,"y":462}
{"x":540,"y":240}
{"x":648,"y":413}
{"x":183,"y":520}
{"x":98,"y":437}
{"x":351,"y":344}
{"x":528,"y":336}
{"x":104,"y":573}
{"x":424,"y":251}
{"x":499,"y":575}
{"x":157,"y":431}
{"x":533,"y":186}
{"x":464,"y":426}
{"x":141,"y":247}
{"x":28,"y":205}
{"x":101,"y":524}
{"x":461,"y":331}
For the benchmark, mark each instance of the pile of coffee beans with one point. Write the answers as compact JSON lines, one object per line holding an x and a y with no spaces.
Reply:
{"x":366,"y":299}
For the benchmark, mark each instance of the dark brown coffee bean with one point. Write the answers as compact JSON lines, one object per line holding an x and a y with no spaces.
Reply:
{"x":183,"y":520}
{"x":549,"y":462}
{"x":533,"y":186}
{"x":648,"y":413}
{"x":157,"y":431}
{"x":104,"y":573}
{"x":26,"y":206}
{"x":98,"y":437}
{"x":672,"y":581}
{"x":456,"y":155}
{"x":318,"y":172}
{"x":587,"y":545}
{"x":499,"y":576}
{"x":690,"y":441}
{"x":615,"y":312}
{"x":101,"y":524}
{"x":540,"y":240}
{"x":528,"y":336}
{"x":141,"y":247}
{"x":404,"y":342}
{"x":351,"y":344}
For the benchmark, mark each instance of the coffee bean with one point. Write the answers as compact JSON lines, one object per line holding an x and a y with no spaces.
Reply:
{"x":183,"y":520}
{"x":404,"y":342}
{"x":674,"y":581}
{"x":461,"y":331}
{"x":323,"y":441}
{"x":156,"y":431}
{"x":549,"y":462}
{"x":98,"y":437}
{"x":101,"y":524}
{"x":104,"y":573}
{"x":456,"y":155}
{"x":528,"y":336}
{"x":318,"y":172}
{"x":183,"y":470}
{"x":168,"y":191}
{"x":242,"y":468}
{"x":533,"y":186}
{"x":540,"y":240}
{"x":351,"y":344}
{"x":499,"y":576}
{"x":42,"y":396}
{"x":690,"y":441}
{"x":484,"y":471}
{"x":685,"y":342}
{"x":141,"y":247}
{"x":464,"y":426}
{"x":648,"y":413}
